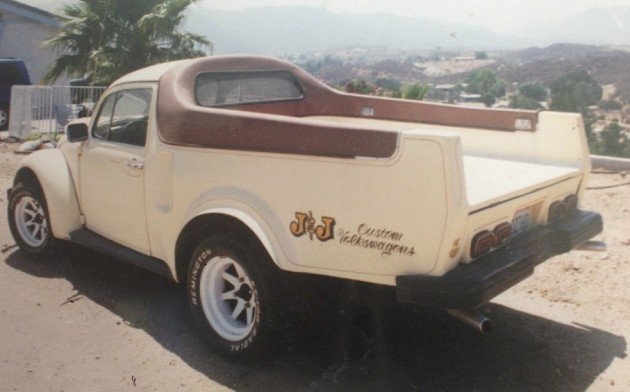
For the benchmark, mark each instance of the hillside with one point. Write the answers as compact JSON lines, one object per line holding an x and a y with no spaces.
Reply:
{"x":607,"y":65}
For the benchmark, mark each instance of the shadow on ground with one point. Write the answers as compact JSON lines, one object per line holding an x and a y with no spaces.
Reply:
{"x":378,"y":349}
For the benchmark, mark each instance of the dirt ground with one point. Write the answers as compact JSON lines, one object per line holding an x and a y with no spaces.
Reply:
{"x":85,"y":322}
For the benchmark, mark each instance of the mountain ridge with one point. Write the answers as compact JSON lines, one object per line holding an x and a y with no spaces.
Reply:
{"x":294,"y":30}
{"x":595,"y":26}
{"x":284,"y":30}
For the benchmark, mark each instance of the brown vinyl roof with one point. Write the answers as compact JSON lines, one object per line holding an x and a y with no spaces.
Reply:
{"x":283,"y":127}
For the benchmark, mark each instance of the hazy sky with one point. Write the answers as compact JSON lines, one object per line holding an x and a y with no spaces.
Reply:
{"x":499,"y":15}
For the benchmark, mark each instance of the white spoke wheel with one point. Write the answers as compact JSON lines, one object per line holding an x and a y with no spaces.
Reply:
{"x":230,"y":297}
{"x":31,"y":221}
{"x":28,"y":220}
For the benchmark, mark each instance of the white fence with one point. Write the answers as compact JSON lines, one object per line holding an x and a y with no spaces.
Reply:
{"x":47,"y":109}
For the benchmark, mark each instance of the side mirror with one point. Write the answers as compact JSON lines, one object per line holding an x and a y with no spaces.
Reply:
{"x":77,"y":132}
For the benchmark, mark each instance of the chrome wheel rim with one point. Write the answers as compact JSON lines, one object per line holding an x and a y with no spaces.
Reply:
{"x":228,"y":298}
{"x":31,"y":222}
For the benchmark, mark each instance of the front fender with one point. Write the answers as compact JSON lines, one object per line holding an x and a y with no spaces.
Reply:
{"x":52,"y":172}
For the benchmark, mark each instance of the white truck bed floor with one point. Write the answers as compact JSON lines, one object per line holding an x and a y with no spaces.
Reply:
{"x":488,"y":178}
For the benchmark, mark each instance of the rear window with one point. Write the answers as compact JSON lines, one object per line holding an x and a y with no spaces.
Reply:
{"x":234,"y":88}
{"x":11,"y":73}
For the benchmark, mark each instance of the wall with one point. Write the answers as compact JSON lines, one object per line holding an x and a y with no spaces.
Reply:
{"x":22,"y":38}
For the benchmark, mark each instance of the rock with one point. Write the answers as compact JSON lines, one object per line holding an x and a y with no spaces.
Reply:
{"x":29,"y":146}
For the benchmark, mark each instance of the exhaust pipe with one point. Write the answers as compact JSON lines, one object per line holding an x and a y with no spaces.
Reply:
{"x":593,"y":246}
{"x":473,"y":318}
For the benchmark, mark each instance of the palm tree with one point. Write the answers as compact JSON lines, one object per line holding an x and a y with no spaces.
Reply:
{"x":105,"y":39}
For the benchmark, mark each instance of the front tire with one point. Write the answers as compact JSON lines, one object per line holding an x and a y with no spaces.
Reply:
{"x":230,"y":297}
{"x":29,"y":221}
{"x":4,"y":118}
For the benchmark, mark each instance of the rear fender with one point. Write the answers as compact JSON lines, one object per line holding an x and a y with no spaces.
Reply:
{"x":247,"y":216}
{"x":248,"y":220}
{"x":51,"y":171}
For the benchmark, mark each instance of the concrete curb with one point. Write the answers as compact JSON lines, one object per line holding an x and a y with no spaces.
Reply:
{"x":610,"y":163}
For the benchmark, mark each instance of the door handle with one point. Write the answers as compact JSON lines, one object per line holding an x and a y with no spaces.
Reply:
{"x":135,"y":165}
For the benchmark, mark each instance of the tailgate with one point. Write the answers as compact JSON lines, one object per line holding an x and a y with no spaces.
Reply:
{"x":509,"y":198}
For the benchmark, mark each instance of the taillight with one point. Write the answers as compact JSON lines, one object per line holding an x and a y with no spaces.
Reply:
{"x":486,"y":240}
{"x":482,"y":243}
{"x":502,"y":234}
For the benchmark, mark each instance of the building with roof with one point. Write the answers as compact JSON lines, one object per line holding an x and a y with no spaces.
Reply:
{"x":23,"y":28}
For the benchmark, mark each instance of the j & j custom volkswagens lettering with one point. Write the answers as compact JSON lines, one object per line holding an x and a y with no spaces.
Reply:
{"x":382,"y":240}
{"x":305,"y":224}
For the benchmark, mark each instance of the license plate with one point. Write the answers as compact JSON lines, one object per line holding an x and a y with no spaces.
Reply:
{"x":522,"y":222}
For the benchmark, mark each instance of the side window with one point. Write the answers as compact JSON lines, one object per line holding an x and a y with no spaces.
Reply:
{"x":243,"y":87}
{"x":123,"y":117}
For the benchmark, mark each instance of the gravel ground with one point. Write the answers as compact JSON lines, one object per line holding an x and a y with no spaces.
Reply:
{"x":85,"y":322}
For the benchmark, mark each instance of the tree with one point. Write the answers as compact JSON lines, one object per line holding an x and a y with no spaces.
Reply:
{"x":610,"y":104}
{"x":574,"y":92}
{"x":105,"y":39}
{"x":614,"y":141}
{"x":534,"y":91}
{"x":520,"y":101}
{"x":415,"y":91}
{"x":388,"y":84}
{"x":529,"y":97}
{"x":486,"y":83}
{"x":359,"y":86}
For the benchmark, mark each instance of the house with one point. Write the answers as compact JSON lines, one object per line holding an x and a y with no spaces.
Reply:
{"x":23,"y":28}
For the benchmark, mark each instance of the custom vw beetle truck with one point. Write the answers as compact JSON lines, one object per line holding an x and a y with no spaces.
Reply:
{"x":222,"y":172}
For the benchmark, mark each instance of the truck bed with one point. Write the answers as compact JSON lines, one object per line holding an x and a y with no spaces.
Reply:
{"x":488,"y":179}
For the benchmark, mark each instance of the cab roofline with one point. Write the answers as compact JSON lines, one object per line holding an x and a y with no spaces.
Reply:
{"x":151,"y":73}
{"x":154,"y":73}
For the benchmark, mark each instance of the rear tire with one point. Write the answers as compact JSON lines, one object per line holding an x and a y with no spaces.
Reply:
{"x":229,"y":290}
{"x":29,"y":221}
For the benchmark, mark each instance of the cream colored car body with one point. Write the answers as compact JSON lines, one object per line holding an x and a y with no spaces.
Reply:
{"x":368,"y":219}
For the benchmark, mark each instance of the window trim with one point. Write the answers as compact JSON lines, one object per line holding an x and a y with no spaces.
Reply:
{"x":115,"y":94}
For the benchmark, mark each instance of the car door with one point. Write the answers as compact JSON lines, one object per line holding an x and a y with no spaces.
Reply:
{"x":112,"y":168}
